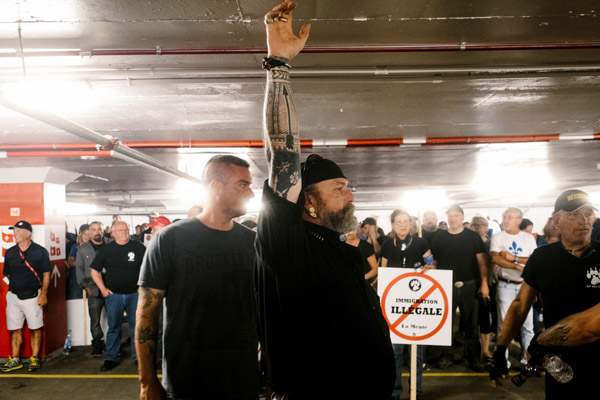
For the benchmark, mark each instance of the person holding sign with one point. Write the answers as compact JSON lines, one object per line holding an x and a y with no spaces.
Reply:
{"x":323,"y":334}
{"x":406,"y":251}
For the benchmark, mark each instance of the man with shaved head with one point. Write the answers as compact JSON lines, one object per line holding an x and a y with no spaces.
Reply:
{"x":322,"y":330}
{"x":115,"y":272}
{"x":509,"y":251}
{"x":203,"y":268}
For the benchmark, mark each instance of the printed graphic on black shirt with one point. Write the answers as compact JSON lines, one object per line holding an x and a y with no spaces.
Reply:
{"x":593,"y":275}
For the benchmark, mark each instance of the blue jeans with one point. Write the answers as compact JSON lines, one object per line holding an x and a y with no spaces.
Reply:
{"x":115,"y":305}
{"x":398,"y":353}
{"x":505,"y":294}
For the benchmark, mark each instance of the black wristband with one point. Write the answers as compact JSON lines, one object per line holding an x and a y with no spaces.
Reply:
{"x":273,"y":62}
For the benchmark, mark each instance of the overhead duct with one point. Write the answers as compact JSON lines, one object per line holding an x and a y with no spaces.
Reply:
{"x":117,"y":150}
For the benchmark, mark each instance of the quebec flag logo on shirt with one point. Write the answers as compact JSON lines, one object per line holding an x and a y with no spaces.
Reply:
{"x":515,"y":249}
{"x":131,"y":256}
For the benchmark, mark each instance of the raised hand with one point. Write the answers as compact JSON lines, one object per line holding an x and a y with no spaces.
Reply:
{"x":281,"y":40}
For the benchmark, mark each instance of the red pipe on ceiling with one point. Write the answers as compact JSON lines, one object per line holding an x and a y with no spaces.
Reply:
{"x":362,"y":49}
{"x":80,"y":149}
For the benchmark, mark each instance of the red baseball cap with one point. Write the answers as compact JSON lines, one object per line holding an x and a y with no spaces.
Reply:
{"x":160,"y":221}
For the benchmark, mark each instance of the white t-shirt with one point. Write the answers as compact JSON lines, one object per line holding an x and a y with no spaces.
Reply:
{"x":520,"y":245}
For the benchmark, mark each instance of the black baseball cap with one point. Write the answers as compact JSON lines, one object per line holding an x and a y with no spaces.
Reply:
{"x":572,"y":200}
{"x":22,"y":225}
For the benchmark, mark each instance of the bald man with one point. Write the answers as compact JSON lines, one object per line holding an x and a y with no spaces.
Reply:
{"x":121,"y":261}
{"x":510,"y":250}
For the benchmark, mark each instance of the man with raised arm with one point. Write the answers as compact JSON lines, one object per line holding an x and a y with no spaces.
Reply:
{"x":322,"y":330}
{"x":203,"y":267}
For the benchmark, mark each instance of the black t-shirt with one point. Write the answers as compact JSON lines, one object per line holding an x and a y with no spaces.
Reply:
{"x":428,"y":236}
{"x":210,"y":335}
{"x":97,"y":246}
{"x":21,"y":277}
{"x":458,"y":252}
{"x":122,"y":265}
{"x":568,"y":285}
{"x":313,"y":300}
{"x":366,"y":251}
{"x":407,"y":253}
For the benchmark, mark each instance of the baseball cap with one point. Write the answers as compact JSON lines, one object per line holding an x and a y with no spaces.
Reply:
{"x":22,"y":225}
{"x":159,"y":221}
{"x":572,"y":200}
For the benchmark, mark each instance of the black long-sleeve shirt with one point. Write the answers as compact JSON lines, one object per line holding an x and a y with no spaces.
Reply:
{"x":322,"y":330}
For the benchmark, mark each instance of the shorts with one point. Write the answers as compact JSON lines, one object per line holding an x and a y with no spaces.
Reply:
{"x":18,"y":311}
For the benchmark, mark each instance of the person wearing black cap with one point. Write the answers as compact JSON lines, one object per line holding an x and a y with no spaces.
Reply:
{"x":27,"y":266}
{"x":322,"y":330}
{"x":566,"y":275}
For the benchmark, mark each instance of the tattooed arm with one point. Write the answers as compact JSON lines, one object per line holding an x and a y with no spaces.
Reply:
{"x":574,"y":330}
{"x":280,"y":124}
{"x":146,"y":335}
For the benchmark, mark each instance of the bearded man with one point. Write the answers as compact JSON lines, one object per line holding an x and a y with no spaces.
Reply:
{"x":322,"y":330}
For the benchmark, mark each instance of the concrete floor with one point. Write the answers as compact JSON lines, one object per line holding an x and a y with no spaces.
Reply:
{"x":78,"y":377}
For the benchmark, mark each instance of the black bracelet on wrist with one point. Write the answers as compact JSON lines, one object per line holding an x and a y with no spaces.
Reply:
{"x":273,"y":62}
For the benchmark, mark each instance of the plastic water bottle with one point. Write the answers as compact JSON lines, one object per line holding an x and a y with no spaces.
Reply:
{"x":560,"y":370}
{"x":67,"y":348}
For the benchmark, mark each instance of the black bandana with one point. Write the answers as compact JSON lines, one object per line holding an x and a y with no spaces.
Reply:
{"x":318,"y":169}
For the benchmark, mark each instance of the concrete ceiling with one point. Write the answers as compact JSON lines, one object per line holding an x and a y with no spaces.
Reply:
{"x":449,"y":85}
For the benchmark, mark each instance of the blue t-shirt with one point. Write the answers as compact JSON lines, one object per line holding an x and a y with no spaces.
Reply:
{"x":21,"y":277}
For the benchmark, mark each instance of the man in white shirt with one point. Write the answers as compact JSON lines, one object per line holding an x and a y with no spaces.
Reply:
{"x":510,"y":250}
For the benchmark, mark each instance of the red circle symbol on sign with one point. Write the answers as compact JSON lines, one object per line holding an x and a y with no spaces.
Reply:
{"x":394,"y":324}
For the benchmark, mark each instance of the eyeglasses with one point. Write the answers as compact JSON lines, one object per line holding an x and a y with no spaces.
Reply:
{"x":401,"y":223}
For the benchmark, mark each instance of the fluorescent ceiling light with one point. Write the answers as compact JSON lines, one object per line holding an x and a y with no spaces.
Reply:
{"x":80,"y":209}
{"x":424,"y":199}
{"x":59,"y":97}
{"x":189,"y":191}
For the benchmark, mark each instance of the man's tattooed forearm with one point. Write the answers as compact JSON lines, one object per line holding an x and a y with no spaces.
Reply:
{"x":149,"y":297}
{"x":144,"y":335}
{"x":558,"y":335}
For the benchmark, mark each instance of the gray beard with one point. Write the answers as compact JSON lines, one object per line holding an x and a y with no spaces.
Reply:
{"x":342,"y":221}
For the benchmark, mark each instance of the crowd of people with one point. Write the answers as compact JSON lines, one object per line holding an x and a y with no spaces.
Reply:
{"x":205,"y":291}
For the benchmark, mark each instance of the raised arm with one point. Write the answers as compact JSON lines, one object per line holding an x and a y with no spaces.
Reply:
{"x":280,"y":124}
